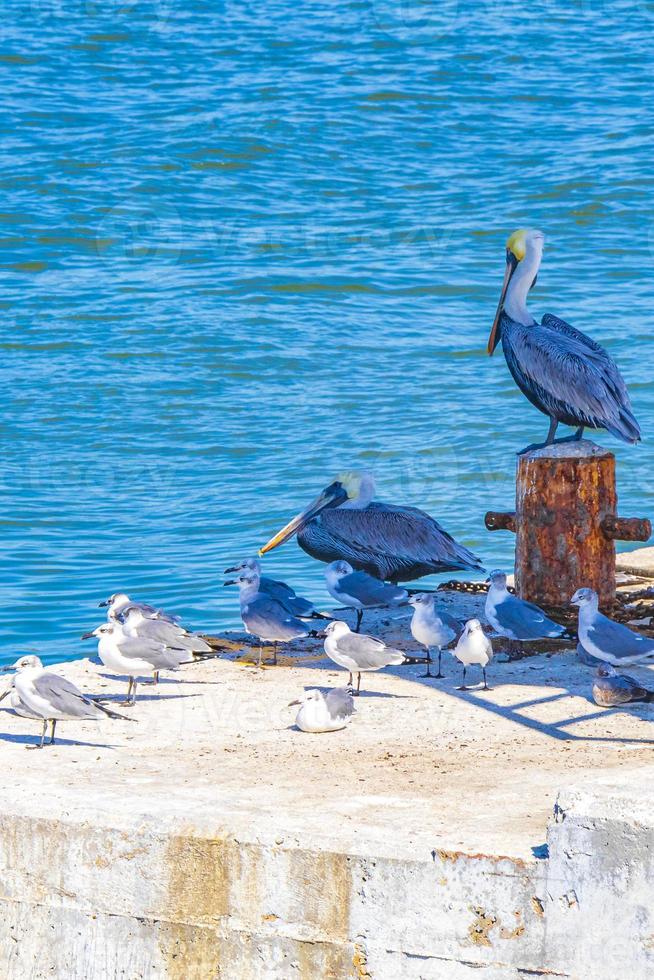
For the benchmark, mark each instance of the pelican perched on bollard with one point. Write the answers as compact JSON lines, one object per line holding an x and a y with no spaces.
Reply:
{"x":564,"y":373}
{"x":393,"y":543}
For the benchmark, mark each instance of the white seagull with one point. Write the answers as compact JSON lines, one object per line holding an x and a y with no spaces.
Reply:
{"x":473,"y":647}
{"x":360,"y":591}
{"x":134,"y":656}
{"x":356,"y":652}
{"x":605,"y":639}
{"x":52,"y":698}
{"x":324,"y":713}
{"x":432,"y":627}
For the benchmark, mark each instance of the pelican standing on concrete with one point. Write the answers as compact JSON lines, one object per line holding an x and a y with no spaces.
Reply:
{"x":564,"y":373}
{"x":293,"y":603}
{"x":515,"y":618}
{"x":324,"y":712}
{"x":432,"y":627}
{"x":52,"y":698}
{"x":393,"y":543}
{"x":358,"y":653}
{"x":473,"y":647}
{"x":359,"y":590}
{"x":264,"y":617}
{"x":605,"y":639}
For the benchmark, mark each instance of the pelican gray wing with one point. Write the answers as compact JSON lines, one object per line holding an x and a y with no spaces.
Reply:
{"x":568,"y":376}
{"x":152,"y":651}
{"x":617,"y":643}
{"x":269,"y":620}
{"x":389,"y":542}
{"x":367,"y":652}
{"x":340,"y":703}
{"x":525,"y":621}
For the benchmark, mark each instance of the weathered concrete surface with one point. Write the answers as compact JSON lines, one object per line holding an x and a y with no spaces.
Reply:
{"x":639,"y":562}
{"x":212,"y":839}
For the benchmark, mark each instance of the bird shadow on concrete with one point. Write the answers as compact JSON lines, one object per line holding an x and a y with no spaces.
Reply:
{"x":35,"y":739}
{"x":575,"y":686}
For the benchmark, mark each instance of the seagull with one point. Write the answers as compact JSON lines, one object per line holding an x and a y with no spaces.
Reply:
{"x":586,"y":659}
{"x":136,"y":624}
{"x":120,"y":603}
{"x":513,"y":617}
{"x":432,"y":627}
{"x":134,"y":656}
{"x":611,"y":689}
{"x":264,"y":617}
{"x":324,"y":713}
{"x":15,"y":701}
{"x":52,"y":698}
{"x":283,"y":593}
{"x":605,"y":639}
{"x":359,"y":590}
{"x":357,"y":652}
{"x":473,"y":647}
{"x":563,"y":372}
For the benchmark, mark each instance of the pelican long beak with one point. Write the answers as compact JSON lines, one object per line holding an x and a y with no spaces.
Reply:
{"x":332,"y":496}
{"x":511,"y":264}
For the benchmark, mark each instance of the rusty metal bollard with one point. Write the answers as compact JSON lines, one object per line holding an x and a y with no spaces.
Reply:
{"x":566,"y":524}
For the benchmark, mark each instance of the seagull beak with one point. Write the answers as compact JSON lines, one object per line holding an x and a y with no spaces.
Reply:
{"x":7,"y":670}
{"x":227,"y":571}
{"x":495,"y":334}
{"x":101,"y":605}
{"x":292,"y":704}
{"x":231,"y":582}
{"x":332,"y":496}
{"x":88,"y":636}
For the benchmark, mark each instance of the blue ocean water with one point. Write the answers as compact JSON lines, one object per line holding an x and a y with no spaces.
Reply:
{"x":245,"y":246}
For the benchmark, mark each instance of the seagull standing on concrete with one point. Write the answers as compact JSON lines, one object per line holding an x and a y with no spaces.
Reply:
{"x":15,"y":701}
{"x":473,"y":647}
{"x":359,"y":590}
{"x":136,"y":625}
{"x":432,"y":627}
{"x":134,"y":656}
{"x":324,"y":712}
{"x":264,"y":617}
{"x":513,"y":617}
{"x":358,"y":653}
{"x":52,"y":698}
{"x":293,"y":603}
{"x":119,"y":604}
{"x":605,"y":639}
{"x":611,"y":689}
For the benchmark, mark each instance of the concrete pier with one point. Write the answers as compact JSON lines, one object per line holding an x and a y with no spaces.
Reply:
{"x":444,"y":834}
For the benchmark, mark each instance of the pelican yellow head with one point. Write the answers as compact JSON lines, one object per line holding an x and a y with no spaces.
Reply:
{"x":516,"y":250}
{"x":517,"y":243}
